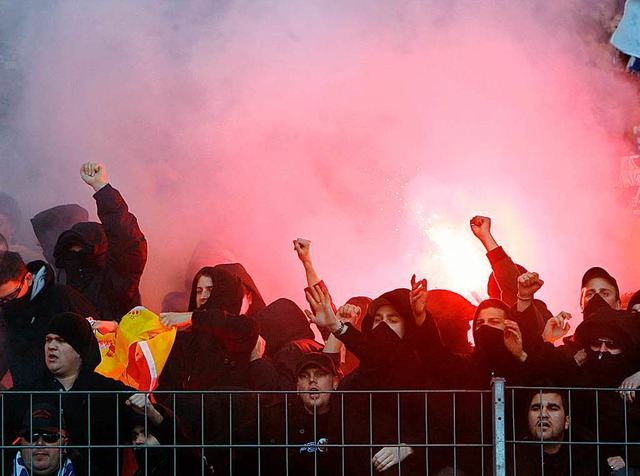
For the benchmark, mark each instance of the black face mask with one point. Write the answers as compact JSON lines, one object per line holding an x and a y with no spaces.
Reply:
{"x":382,"y":334}
{"x":608,"y":368}
{"x":595,"y":303}
{"x":490,"y":346}
{"x":74,"y":260}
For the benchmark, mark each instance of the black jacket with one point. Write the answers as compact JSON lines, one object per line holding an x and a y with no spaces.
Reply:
{"x":91,"y":418}
{"x":25,"y":321}
{"x":109,"y":274}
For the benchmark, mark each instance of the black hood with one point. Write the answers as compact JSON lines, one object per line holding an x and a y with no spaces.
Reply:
{"x":91,"y":237}
{"x":399,"y":299}
{"x":230,"y":281}
{"x":49,"y":224}
{"x":282,"y":322}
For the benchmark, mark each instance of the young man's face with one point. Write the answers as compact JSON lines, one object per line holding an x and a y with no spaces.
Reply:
{"x":61,"y":359}
{"x":602,"y":287}
{"x":314,"y":379}
{"x":42,"y":459}
{"x":492,"y":317}
{"x":547,"y":417}
{"x":204,"y":287}
{"x":15,"y":288}
{"x":391,"y":317}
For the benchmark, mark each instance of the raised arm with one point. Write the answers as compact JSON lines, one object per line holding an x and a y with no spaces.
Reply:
{"x":303,"y":248}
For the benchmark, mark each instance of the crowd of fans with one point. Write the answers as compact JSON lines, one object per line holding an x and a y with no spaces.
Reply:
{"x":374,"y":396}
{"x":247,"y":388}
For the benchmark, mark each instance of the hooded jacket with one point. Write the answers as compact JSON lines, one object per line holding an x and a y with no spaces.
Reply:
{"x":26,"y":321}
{"x":115,"y":253}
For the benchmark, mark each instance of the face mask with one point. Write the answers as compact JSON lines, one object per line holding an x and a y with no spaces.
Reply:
{"x":383,"y":334}
{"x":608,"y":368}
{"x":490,"y":345}
{"x":595,"y":303}
{"x":74,"y":260}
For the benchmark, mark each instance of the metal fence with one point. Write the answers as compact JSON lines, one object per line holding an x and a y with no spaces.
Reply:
{"x":357,"y":432}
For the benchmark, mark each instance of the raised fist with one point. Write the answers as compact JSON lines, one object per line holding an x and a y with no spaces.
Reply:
{"x":94,"y":175}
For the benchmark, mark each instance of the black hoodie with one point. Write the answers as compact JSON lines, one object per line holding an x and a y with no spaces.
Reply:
{"x":108,"y":270}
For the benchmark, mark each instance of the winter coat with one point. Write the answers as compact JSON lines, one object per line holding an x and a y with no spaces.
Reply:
{"x":25,"y":321}
{"x":115,"y":256}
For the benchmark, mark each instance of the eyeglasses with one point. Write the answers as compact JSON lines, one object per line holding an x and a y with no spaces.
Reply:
{"x":610,"y":343}
{"x":13,"y":294}
{"x":47,"y":437}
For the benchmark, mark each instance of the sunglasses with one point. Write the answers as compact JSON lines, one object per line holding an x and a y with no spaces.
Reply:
{"x":47,"y":437}
{"x":13,"y":294}
{"x":610,"y":343}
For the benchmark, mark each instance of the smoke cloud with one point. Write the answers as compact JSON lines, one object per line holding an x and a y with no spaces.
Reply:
{"x":376,"y":129}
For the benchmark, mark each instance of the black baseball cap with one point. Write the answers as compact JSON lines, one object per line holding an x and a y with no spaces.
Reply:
{"x":598,"y":272}
{"x":319,"y":359}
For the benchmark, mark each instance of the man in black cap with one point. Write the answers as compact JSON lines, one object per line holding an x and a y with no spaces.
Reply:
{"x":314,"y":423}
{"x":71,"y":355}
{"x":599,"y":288}
{"x":42,"y":441}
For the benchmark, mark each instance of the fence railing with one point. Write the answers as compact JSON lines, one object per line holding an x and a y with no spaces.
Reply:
{"x":504,"y":430}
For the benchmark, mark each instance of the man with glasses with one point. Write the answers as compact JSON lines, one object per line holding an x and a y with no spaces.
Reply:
{"x":28,"y":300}
{"x":42,"y":441}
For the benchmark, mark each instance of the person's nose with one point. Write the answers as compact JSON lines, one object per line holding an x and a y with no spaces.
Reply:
{"x":603,"y":347}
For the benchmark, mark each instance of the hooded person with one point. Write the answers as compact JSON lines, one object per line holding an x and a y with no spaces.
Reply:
{"x":288,"y":337}
{"x":49,"y":224}
{"x":609,"y":338}
{"x":97,"y":408}
{"x":104,"y":261}
{"x":28,"y":301}
{"x":214,"y":352}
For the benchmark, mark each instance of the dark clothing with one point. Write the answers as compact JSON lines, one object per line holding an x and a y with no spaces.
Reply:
{"x":506,"y":274}
{"x":281,"y":322}
{"x":575,"y":460}
{"x":91,"y":418}
{"x":108,"y":271}
{"x":26,"y":319}
{"x":311,"y":439}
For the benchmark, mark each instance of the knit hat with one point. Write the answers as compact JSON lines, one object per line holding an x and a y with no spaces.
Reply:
{"x":77,"y":331}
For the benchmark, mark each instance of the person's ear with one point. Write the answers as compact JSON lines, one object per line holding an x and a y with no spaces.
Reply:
{"x":567,"y":421}
{"x":29,"y":278}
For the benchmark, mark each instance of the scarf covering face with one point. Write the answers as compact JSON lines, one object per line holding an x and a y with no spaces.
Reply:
{"x":19,"y":469}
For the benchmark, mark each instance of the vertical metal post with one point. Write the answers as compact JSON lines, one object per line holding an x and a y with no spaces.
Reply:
{"x":499,"y":438}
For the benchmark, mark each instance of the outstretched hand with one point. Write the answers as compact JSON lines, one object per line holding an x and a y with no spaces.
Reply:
{"x":321,"y":313}
{"x":418,"y":299}
{"x":94,"y":174}
{"x":556,"y":327}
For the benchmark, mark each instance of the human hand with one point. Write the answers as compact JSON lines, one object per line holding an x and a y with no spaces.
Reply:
{"x":181,"y":320}
{"x":528,"y":285}
{"x":141,"y":404}
{"x":103,"y":327}
{"x":418,"y":299}
{"x":258,"y":350}
{"x":303,"y":248}
{"x":349,"y":313}
{"x":390,"y":456}
{"x":581,"y":357}
{"x":631,"y":382}
{"x":321,"y":313}
{"x":513,"y":339}
{"x":616,"y":463}
{"x":94,"y":175}
{"x":481,"y":226}
{"x":556,"y":327}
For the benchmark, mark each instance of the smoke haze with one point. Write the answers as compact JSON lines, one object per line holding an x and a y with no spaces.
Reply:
{"x":376,"y":129}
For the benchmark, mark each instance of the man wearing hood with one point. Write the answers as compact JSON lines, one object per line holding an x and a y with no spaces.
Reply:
{"x":607,"y":337}
{"x":28,"y":301}
{"x":49,"y":224}
{"x":71,"y":355}
{"x":104,"y":261}
{"x":213,"y":351}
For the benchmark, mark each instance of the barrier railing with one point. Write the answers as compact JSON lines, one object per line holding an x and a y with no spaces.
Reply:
{"x":241,"y":432}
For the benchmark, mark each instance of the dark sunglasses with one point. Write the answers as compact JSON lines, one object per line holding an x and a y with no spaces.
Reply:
{"x":611,"y":344}
{"x":47,"y":437}
{"x":13,"y":294}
